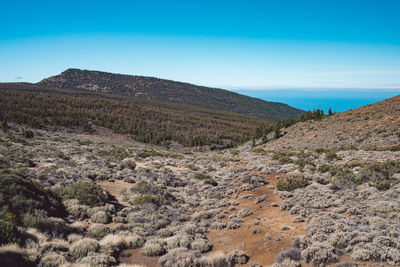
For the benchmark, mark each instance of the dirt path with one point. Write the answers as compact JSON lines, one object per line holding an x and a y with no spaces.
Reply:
{"x":114,"y":189}
{"x":136,"y":257}
{"x":264,"y":241}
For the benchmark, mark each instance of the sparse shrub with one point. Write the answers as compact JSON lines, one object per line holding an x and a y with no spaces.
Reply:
{"x":290,"y":183}
{"x":178,"y":257}
{"x":210,"y":181}
{"x":129,"y":163}
{"x":116,"y":153}
{"x":85,"y":142}
{"x":142,"y":187}
{"x":75,"y":209}
{"x":216,"y":259}
{"x":87,"y":193}
{"x":234,"y":152}
{"x":99,"y":230}
{"x":148,"y":153}
{"x":134,"y":241}
{"x":97,"y":259}
{"x":81,"y":248}
{"x":192,"y":167}
{"x":355,"y":164}
{"x":201,"y":176}
{"x":153,"y":248}
{"x":211,"y":169}
{"x":201,"y":245}
{"x":244,"y":213}
{"x":237,"y":257}
{"x":100,"y":217}
{"x":61,"y":155}
{"x":53,"y":246}
{"x":27,"y":134}
{"x":291,"y":253}
{"x":52,"y":260}
{"x":72,"y":238}
{"x":52,"y":227}
{"x":9,"y":233}
{"x":320,"y":254}
{"x":165,"y":232}
{"x":144,"y":199}
{"x":259,"y":150}
{"x":380,"y":174}
{"x":331,"y":155}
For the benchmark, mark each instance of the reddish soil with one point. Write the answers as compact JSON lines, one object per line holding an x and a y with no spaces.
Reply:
{"x":114,"y":189}
{"x":264,"y":241}
{"x":137,"y":258}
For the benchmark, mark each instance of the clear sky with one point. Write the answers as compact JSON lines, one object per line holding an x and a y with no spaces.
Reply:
{"x":230,"y":44}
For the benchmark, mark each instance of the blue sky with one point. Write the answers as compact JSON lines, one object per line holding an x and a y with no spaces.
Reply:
{"x":230,"y":44}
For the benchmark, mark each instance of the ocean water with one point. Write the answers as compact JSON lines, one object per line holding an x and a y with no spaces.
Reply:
{"x":338,"y":100}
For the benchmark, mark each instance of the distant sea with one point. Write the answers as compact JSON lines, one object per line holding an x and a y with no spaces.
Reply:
{"x":338,"y":99}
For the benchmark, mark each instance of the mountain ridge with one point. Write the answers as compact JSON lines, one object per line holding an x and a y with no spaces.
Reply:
{"x":170,"y":91}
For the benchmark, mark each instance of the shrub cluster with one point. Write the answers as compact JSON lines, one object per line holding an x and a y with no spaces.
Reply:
{"x":87,"y":193}
{"x":19,"y":196}
{"x":290,"y":183}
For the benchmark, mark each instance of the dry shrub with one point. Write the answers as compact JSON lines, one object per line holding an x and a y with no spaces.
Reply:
{"x":81,"y":248}
{"x":99,"y":230}
{"x":178,"y":257}
{"x":100,"y":217}
{"x":153,"y":248}
{"x":97,"y":259}
{"x":52,"y":260}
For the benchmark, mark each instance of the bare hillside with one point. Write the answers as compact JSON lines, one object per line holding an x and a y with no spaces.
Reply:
{"x":371,"y":126}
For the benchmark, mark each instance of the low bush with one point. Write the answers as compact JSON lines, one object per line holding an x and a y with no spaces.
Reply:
{"x":153,"y":248}
{"x":201,"y":176}
{"x":27,"y":134}
{"x":331,"y":155}
{"x":142,"y":187}
{"x":99,"y":230}
{"x":148,"y":153}
{"x":81,"y":248}
{"x":211,"y":169}
{"x":113,"y":153}
{"x":51,"y":227}
{"x":87,"y":193}
{"x":9,"y":233}
{"x":192,"y":167}
{"x":290,"y":183}
{"x":210,"y":181}
{"x":97,"y":259}
{"x":237,"y":257}
{"x":324,"y":168}
{"x":291,"y":253}
{"x":259,"y":150}
{"x":144,"y":199}
{"x":52,"y":260}
{"x":100,"y":217}
{"x":380,"y":174}
{"x":178,"y":257}
{"x":19,"y":195}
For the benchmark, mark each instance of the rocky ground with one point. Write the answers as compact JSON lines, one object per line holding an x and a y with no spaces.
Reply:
{"x":244,"y":206}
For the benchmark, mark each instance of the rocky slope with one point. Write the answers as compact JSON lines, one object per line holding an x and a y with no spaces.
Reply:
{"x":371,"y":126}
{"x":169,"y":91}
